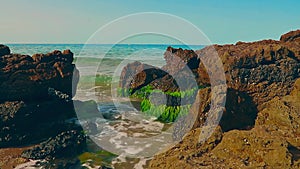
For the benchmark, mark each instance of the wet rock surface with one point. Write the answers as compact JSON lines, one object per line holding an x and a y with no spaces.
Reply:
{"x":260,"y":122}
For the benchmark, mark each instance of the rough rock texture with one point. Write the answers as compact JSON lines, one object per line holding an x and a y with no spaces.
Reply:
{"x":35,"y":96}
{"x":263,"y":97}
{"x":273,"y":142}
{"x":290,"y":36}
{"x":24,"y":123}
{"x":28,"y":78}
{"x":36,"y":108}
{"x":186,"y":150}
{"x":259,"y":68}
{"x":181,"y":67}
{"x":65,"y":144}
{"x":135,"y":75}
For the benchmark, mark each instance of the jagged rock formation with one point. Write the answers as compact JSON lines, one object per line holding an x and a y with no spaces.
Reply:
{"x":181,"y":67}
{"x":35,"y":96}
{"x":36,"y":106}
{"x":272,"y":142}
{"x":260,"y":121}
{"x":28,"y":78}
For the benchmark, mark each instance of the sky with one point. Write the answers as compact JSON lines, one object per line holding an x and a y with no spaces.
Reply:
{"x":75,"y":21}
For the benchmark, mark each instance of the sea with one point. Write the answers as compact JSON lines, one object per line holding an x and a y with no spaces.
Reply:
{"x":119,"y":51}
{"x":129,"y":134}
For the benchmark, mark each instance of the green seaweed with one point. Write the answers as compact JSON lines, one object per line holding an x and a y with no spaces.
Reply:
{"x":101,"y":157}
{"x":162,"y":112}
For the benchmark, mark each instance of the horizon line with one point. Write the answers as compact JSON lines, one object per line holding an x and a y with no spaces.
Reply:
{"x":28,"y":43}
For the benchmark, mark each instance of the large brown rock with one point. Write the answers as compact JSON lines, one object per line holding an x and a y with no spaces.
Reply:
{"x":28,"y":78}
{"x":273,"y":142}
{"x":258,"y":68}
{"x":262,"y":99}
{"x":178,"y":59}
{"x":35,"y":96}
{"x":136,"y":75}
{"x":255,"y":74}
{"x":178,"y":74}
{"x":263,"y":69}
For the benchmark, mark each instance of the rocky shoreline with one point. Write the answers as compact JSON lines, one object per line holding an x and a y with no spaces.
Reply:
{"x":260,"y":123}
{"x":259,"y":127}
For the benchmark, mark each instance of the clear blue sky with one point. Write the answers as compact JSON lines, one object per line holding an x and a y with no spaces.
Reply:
{"x":74,"y":21}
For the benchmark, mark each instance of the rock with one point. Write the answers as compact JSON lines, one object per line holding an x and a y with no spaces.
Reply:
{"x":239,"y":112}
{"x":136,"y":75}
{"x":180,"y":68}
{"x":187,"y":149}
{"x":4,"y":50}
{"x":28,"y":78}
{"x":26,"y":123}
{"x":178,"y":59}
{"x":86,"y":109}
{"x":280,"y":116}
{"x":112,"y":115}
{"x":255,"y":73}
{"x":36,"y":96}
{"x":261,"y":116}
{"x":65,"y":144}
{"x":290,"y":36}
{"x":259,"y":68}
{"x":255,"y":148}
{"x":272,"y":142}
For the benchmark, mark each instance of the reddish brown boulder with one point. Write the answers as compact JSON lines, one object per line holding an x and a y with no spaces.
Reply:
{"x":181,"y":67}
{"x":178,"y":59}
{"x":28,"y":78}
{"x":136,"y":75}
{"x":260,"y":77}
{"x":263,"y":69}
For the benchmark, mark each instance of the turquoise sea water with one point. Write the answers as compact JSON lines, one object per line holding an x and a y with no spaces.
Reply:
{"x":112,"y":56}
{"x":98,"y":50}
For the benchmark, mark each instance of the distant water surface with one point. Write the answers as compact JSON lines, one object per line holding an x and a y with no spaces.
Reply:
{"x":97,"y":50}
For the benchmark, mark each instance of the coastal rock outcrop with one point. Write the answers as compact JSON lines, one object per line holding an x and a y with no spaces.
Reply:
{"x":181,"y":67}
{"x":36,"y":94}
{"x":260,"y":115}
{"x":28,"y":78}
{"x":36,"y":107}
{"x":272,"y":142}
